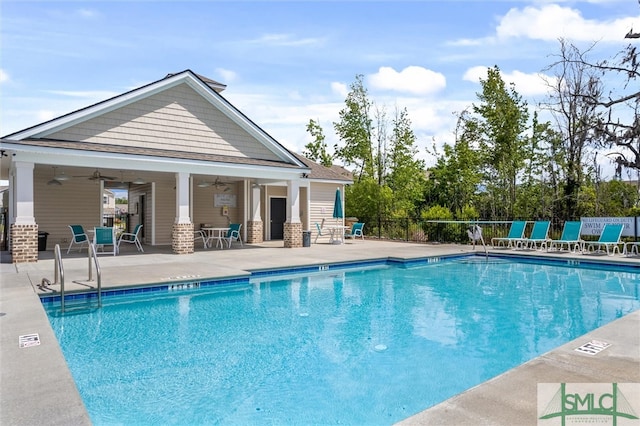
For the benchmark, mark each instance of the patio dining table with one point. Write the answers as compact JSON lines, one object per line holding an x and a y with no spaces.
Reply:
{"x":217,"y":234}
{"x":336,"y":233}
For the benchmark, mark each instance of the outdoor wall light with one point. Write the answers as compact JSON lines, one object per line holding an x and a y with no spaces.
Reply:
{"x":139,"y":181}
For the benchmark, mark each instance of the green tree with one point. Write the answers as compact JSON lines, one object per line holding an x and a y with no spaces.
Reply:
{"x":455,"y":179}
{"x":355,"y":131}
{"x":364,"y":198}
{"x":317,"y":150}
{"x":406,"y":177}
{"x":502,"y":122}
{"x":535,"y":197}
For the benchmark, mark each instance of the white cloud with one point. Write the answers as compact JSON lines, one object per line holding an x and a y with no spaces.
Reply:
{"x":286,"y":40}
{"x":4,"y":77}
{"x":227,"y":76}
{"x":474,"y":74}
{"x":89,"y":95}
{"x":526,"y":84}
{"x":87,"y":13}
{"x":412,"y":79}
{"x":552,"y":21}
{"x":45,"y":115}
{"x":340,"y":89}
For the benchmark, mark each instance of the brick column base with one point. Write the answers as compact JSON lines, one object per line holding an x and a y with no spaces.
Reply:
{"x":24,"y":243}
{"x":254,"y":232}
{"x":292,"y":235}
{"x":182,"y":238}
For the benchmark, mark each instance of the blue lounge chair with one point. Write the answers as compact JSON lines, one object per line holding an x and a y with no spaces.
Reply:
{"x":103,"y":237}
{"x":79,"y":237}
{"x":356,"y":231}
{"x":516,"y":232}
{"x":570,"y":237}
{"x":131,"y":238}
{"x":539,"y":235}
{"x":609,"y":238}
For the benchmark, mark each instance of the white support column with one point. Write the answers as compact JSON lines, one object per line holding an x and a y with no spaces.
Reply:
{"x":183,"y":214}
{"x":293,"y":196}
{"x":293,"y":226}
{"x":255,"y":227}
{"x":12,"y":197}
{"x":182,"y":234}
{"x":23,"y":195}
{"x":255,"y":203}
{"x":154,"y":199}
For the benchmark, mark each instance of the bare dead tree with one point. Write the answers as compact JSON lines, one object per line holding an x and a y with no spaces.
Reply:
{"x":631,"y":34}
{"x":573,"y":102}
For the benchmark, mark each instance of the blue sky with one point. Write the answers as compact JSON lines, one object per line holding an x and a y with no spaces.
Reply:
{"x":286,"y":62}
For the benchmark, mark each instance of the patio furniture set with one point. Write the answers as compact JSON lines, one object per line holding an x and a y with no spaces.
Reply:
{"x":104,"y":237}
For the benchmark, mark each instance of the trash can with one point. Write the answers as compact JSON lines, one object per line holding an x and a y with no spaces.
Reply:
{"x":306,"y":238}
{"x":42,"y":240}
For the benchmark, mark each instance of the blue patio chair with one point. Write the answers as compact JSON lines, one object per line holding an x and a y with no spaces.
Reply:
{"x":78,"y":237}
{"x":609,"y":238}
{"x":356,"y":231}
{"x":516,"y":232}
{"x":539,"y":235}
{"x":319,"y":229}
{"x":131,"y":238}
{"x":570,"y":237}
{"x":105,"y":236}
{"x":233,"y":234}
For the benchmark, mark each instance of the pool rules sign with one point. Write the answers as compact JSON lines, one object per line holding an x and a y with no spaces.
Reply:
{"x":29,"y":340}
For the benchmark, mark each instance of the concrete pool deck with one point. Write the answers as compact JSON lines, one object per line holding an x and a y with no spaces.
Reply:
{"x":36,"y":386}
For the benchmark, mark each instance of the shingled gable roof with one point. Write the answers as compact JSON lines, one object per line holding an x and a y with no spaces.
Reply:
{"x":207,"y":88}
{"x":320,"y":172}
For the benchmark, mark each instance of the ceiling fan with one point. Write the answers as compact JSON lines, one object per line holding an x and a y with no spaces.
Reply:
{"x":217,"y":184}
{"x":98,"y":176}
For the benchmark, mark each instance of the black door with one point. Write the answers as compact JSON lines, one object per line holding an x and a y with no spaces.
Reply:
{"x":278,"y":217}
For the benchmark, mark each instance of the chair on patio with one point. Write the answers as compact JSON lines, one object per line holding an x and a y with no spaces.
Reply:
{"x":609,"y":237}
{"x":131,"y":238}
{"x":233,"y":234}
{"x":320,"y":234}
{"x":516,"y":232}
{"x":356,"y":231}
{"x":631,"y":248}
{"x":79,"y":237}
{"x":104,"y":236}
{"x":200,"y":234}
{"x":475,"y":234}
{"x":570,"y":236}
{"x":539,"y":235}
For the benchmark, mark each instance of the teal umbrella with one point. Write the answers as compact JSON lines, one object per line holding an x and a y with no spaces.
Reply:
{"x":337,"y":206}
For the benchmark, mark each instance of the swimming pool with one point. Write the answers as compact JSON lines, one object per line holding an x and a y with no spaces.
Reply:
{"x":369,"y":345}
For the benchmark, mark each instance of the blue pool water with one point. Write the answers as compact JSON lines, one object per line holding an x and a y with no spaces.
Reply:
{"x":370,"y":346}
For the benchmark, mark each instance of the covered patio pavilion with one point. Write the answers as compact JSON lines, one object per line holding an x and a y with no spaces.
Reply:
{"x":185,"y":156}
